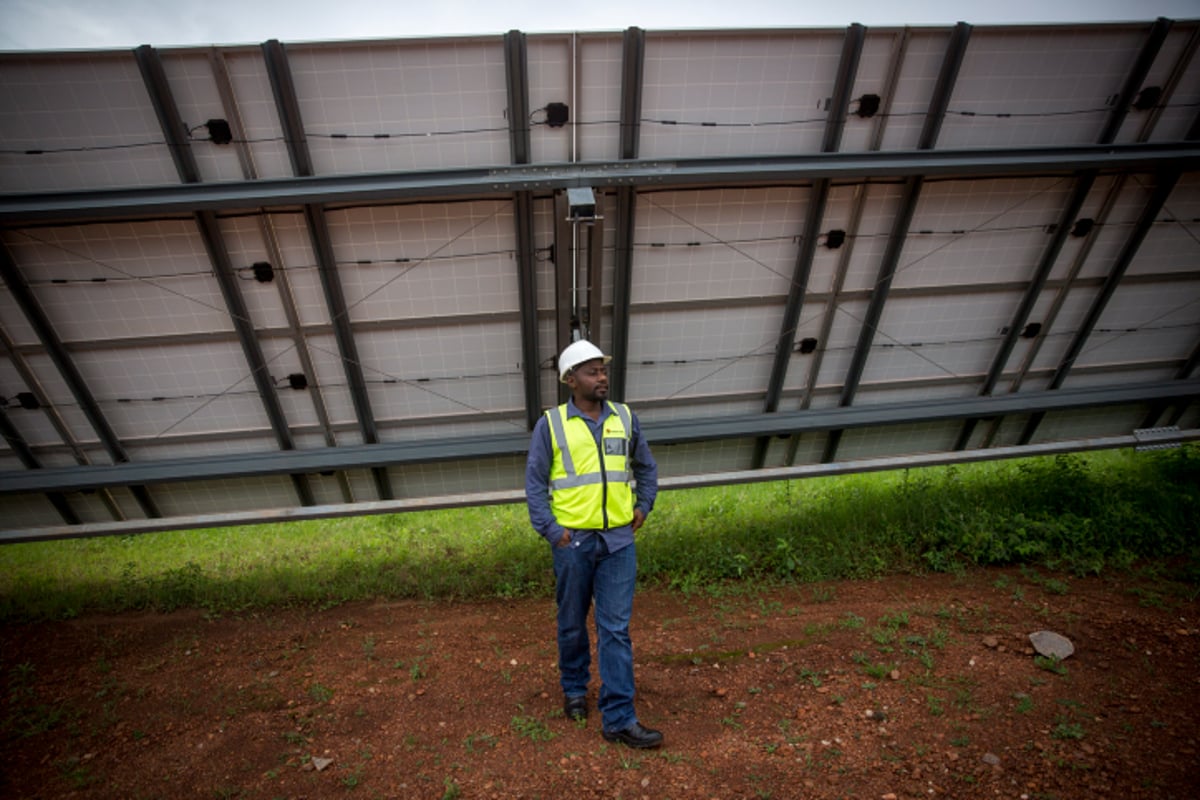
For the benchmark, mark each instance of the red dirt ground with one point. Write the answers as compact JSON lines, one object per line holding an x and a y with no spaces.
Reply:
{"x":903,"y":687}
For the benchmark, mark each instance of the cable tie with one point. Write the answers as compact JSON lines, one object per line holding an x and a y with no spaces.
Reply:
{"x":383,"y":136}
{"x":708,"y":124}
{"x":35,"y":152}
{"x":339,"y":136}
{"x":667,"y":122}
{"x":401,"y":260}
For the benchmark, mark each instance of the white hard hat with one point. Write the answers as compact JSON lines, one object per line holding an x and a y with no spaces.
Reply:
{"x":575,"y":354}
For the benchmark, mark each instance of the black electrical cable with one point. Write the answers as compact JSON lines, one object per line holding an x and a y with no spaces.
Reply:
{"x":383,"y":136}
{"x":404,"y":134}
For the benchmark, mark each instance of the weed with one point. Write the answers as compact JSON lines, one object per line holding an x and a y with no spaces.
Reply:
{"x":823,"y":594}
{"x":630,"y":762}
{"x":477,"y":741}
{"x":532,"y":729}
{"x":883,"y":636}
{"x":1050,"y":664}
{"x":851,"y":621}
{"x":320,"y":693}
{"x":1067,"y":730}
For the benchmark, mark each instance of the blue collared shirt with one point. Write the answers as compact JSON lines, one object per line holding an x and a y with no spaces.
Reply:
{"x":537,"y":478}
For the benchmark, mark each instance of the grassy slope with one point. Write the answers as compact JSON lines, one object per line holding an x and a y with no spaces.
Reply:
{"x":1080,"y":513}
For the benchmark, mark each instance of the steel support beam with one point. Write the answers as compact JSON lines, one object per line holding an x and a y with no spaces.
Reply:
{"x":1083,"y":186}
{"x":527,"y":302}
{"x":55,"y":418}
{"x":818,"y":198}
{"x":1162,"y":190}
{"x":633,"y":60}
{"x":288,"y":107}
{"x":69,"y":372}
{"x":899,"y":49}
{"x":564,"y":284}
{"x":16,"y":442}
{"x":516,"y":72}
{"x":282,"y":282}
{"x":258,"y":464}
{"x":939,"y":102}
{"x":1135,"y":79}
{"x":210,"y":233}
{"x":391,"y":187}
{"x":1183,"y":373}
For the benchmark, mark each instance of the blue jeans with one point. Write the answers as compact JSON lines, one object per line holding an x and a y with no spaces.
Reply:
{"x":585,"y":569}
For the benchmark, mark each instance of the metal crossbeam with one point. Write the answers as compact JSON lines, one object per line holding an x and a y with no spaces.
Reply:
{"x":159,"y":201}
{"x":244,"y":465}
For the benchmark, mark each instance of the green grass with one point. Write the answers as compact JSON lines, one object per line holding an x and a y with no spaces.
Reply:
{"x":1077,"y":514}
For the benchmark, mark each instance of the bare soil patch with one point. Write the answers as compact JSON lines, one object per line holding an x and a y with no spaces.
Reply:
{"x":903,"y":687}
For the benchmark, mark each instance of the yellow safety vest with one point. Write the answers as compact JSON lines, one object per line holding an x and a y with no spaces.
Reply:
{"x":591,"y":486}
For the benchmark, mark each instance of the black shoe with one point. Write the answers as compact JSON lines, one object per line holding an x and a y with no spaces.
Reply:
{"x":575,"y":708}
{"x":636,"y":736}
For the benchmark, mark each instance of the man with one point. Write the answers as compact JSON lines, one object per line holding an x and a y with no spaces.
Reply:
{"x":584,"y":459}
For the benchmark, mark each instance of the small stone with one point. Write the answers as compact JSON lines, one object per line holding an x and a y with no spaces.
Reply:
{"x":894,"y":674}
{"x":991,"y":642}
{"x":1051,"y":644}
{"x":991,"y":759}
{"x":321,"y":763}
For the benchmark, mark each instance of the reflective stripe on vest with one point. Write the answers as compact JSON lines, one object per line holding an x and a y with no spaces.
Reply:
{"x":590,"y":488}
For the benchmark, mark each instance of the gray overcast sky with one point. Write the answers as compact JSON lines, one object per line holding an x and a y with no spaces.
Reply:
{"x":89,"y":24}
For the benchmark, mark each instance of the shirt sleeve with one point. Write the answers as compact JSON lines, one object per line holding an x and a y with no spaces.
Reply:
{"x":537,"y":483}
{"x":645,"y":469}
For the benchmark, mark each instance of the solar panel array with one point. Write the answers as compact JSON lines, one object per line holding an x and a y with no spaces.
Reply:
{"x":306,"y":279}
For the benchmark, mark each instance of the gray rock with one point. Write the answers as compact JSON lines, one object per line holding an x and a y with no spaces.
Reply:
{"x":321,"y":763}
{"x":1051,"y":644}
{"x":991,"y":758}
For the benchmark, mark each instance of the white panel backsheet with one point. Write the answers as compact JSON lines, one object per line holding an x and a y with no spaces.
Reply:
{"x":1026,"y":89}
{"x":721,"y":95}
{"x":385,"y":107}
{"x":86,"y":117}
{"x":432,"y":285}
